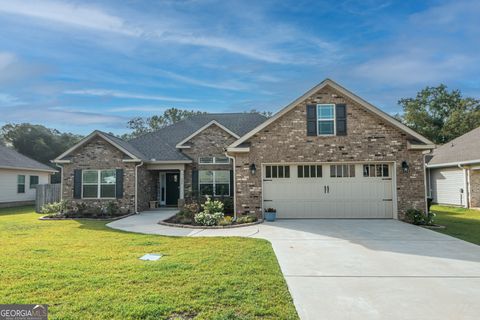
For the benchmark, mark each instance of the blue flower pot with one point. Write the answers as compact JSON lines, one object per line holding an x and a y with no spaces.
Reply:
{"x":270,"y":216}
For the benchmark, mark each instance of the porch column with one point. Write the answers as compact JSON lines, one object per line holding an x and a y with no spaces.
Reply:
{"x":182,"y":184}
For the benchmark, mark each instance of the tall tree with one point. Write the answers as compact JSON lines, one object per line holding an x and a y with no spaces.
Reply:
{"x":439,"y":114}
{"x":38,"y":142}
{"x":144,"y":125}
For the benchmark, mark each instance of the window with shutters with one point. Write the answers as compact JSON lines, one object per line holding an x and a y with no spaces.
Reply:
{"x":309,"y":171}
{"x":326,"y":119}
{"x":99,"y":184}
{"x":277,"y":172}
{"x":342,"y":171}
{"x":379,"y":170}
{"x":214,"y":183}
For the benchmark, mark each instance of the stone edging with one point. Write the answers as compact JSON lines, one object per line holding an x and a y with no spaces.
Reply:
{"x":89,"y":219}
{"x":434,"y":227}
{"x":187,"y":226}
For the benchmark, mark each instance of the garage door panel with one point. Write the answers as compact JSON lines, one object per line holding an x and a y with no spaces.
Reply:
{"x":326,"y":197}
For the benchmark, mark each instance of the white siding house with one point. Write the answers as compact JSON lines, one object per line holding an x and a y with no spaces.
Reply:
{"x":18,"y":177}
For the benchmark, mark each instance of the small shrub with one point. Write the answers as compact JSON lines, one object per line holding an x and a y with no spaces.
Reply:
{"x":429,"y":219}
{"x":247,"y":219}
{"x":416,"y":216}
{"x":55,"y":207}
{"x":212,"y":206}
{"x":111,"y":209}
{"x":227,"y":205}
{"x":208,"y":219}
{"x":190,"y":209}
{"x":226,"y":221}
{"x":270,"y":210}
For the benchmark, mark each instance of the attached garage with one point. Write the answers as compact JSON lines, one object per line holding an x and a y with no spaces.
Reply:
{"x":309,"y":190}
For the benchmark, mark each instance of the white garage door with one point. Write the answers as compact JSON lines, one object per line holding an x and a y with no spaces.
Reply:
{"x":329,"y":190}
{"x":446,"y":185}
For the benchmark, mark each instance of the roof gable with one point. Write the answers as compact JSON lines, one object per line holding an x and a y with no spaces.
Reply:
{"x":236,"y":146}
{"x":208,"y":125}
{"x":118,"y":143}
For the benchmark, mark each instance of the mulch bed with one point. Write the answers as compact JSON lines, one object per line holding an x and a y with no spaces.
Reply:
{"x":190,"y":226}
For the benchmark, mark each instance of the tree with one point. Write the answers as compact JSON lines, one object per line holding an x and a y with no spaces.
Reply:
{"x":144,"y":125}
{"x":38,"y":142}
{"x":267,"y":114}
{"x":439,"y":114}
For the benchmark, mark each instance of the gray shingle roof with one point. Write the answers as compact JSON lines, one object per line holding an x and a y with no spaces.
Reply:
{"x":463,"y":148}
{"x":124,"y":144}
{"x":10,"y":158}
{"x":160,"y":145}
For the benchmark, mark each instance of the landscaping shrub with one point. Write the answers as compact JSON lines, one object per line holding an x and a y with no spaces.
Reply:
{"x":212,"y":213}
{"x":247,"y":219}
{"x":417,"y":217}
{"x":227,"y":220}
{"x":55,"y":207}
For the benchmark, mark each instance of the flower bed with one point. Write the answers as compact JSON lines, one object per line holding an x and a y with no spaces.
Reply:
{"x":71,"y":210}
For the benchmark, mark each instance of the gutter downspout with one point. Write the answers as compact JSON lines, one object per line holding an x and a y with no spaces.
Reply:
{"x":234,"y":187}
{"x":465,"y":184}
{"x":426,"y":186}
{"x":136,"y":186}
{"x":61,"y":180}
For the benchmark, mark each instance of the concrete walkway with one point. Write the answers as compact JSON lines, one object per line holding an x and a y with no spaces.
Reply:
{"x":359,"y":269}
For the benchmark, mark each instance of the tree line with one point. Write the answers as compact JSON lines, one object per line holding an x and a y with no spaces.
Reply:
{"x":435,"y":112}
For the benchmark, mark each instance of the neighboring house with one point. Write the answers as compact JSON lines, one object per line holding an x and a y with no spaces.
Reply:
{"x":328,"y":154}
{"x":19,"y":176}
{"x":454,"y":171}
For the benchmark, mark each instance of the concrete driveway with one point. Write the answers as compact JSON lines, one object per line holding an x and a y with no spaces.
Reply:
{"x":365,"y":269}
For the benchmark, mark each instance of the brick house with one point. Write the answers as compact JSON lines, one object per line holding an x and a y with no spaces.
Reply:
{"x":328,"y":154}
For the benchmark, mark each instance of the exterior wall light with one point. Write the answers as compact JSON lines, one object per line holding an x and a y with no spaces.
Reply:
{"x":405,"y":166}
{"x":253,"y":169}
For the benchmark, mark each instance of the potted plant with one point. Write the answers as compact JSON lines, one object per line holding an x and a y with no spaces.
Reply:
{"x":270,"y":214}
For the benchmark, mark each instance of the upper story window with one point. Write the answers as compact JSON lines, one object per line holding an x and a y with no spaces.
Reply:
{"x":214,"y":160}
{"x":98,"y":183}
{"x":326,"y":119}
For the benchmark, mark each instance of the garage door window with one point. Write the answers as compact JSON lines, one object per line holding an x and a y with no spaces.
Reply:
{"x":309,"y":171}
{"x":342,"y":171}
{"x":376,"y":170}
{"x":277,"y":172}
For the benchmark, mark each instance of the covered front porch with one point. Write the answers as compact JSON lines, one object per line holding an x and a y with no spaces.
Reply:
{"x":165,"y":186}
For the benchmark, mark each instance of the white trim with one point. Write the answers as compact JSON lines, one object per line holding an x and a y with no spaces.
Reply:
{"x":214,"y":159}
{"x":99,"y":184}
{"x":87,"y":139}
{"x":394,"y":191}
{"x":28,"y":169}
{"x":234,"y":149}
{"x":452,"y":164}
{"x":168,"y":161}
{"x":213,"y":122}
{"x":344,"y":91}
{"x":166,"y":166}
{"x":420,"y":146}
{"x":61,"y":161}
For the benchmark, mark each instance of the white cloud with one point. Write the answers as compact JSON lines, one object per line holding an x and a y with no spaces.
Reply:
{"x":225,"y":85}
{"x":9,"y":100}
{"x":6,"y":59}
{"x":127,"y":95}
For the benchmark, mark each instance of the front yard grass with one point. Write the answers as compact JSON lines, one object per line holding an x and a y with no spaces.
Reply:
{"x":459,"y":222}
{"x":84,"y":270}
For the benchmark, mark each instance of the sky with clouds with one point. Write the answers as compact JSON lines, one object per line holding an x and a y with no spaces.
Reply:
{"x":81,"y":65}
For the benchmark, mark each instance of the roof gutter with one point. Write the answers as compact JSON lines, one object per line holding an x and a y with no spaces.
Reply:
{"x":453,"y":164}
{"x":28,"y":169}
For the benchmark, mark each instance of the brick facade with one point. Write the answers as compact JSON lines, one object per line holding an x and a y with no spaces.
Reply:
{"x":369,"y":138}
{"x":209,"y":143}
{"x":475,"y":188}
{"x":98,"y":154}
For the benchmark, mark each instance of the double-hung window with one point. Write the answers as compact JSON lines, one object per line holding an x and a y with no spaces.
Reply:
{"x":33,"y":181}
{"x":214,"y":183}
{"x":99,"y":183}
{"x":326,"y":119}
{"x":21,"y":183}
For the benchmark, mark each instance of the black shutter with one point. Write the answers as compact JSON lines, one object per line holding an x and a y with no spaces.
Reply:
{"x":119,"y":182}
{"x":311,"y":120}
{"x":77,"y":183}
{"x":195,"y":183}
{"x":341,"y":119}
{"x":231,"y":183}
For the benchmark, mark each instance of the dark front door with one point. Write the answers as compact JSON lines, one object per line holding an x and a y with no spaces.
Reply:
{"x":173,"y":189}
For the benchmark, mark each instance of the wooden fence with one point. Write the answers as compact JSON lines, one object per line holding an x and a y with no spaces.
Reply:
{"x":47,"y":193}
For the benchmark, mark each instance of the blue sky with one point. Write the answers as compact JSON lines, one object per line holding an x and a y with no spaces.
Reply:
{"x":81,"y":65}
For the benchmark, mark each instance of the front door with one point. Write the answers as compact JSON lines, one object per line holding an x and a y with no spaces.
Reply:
{"x":173,"y":189}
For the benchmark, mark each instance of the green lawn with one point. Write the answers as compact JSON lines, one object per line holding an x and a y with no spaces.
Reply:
{"x":85,"y":270}
{"x":460,"y":223}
